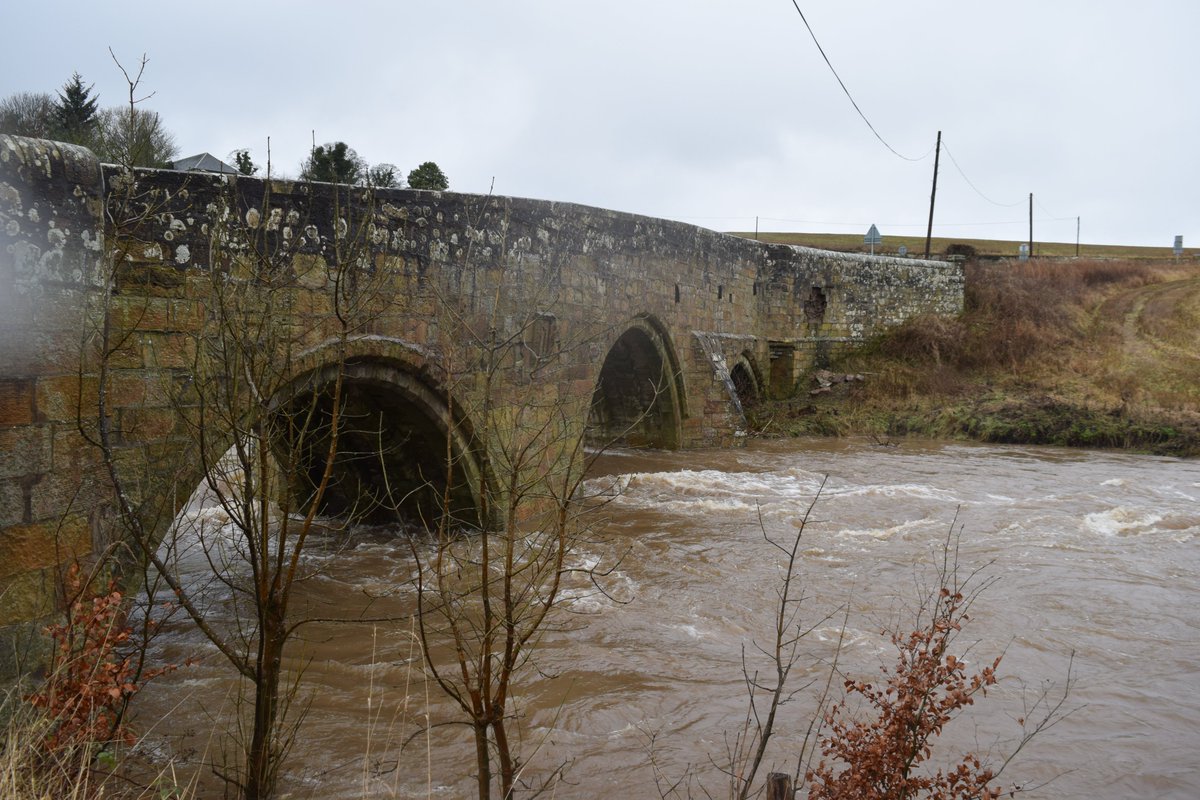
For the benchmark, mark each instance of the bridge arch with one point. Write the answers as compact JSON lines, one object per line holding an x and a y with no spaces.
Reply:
{"x":392,"y":443}
{"x":746,"y":379}
{"x":639,"y":398}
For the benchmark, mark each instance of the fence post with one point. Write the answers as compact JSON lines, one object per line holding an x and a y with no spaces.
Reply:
{"x":779,"y":786}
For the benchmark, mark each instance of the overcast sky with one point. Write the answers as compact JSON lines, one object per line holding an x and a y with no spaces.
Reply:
{"x":708,"y":111}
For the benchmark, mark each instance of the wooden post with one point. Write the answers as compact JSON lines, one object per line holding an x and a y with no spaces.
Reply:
{"x":937,"y":154}
{"x":1031,"y":224}
{"x":779,"y":786}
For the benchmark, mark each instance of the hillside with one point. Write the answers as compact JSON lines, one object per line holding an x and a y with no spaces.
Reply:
{"x":847,"y":242}
{"x":1084,"y":353}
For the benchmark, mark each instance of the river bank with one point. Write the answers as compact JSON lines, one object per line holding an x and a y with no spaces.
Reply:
{"x":999,"y":417}
{"x":1102,"y":354}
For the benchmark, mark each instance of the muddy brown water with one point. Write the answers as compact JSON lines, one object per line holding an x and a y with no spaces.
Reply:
{"x":1091,"y":554}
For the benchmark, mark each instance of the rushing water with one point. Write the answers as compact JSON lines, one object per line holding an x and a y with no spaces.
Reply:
{"x":1091,"y":554}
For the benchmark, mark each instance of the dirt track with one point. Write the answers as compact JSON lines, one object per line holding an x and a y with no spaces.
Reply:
{"x":1160,"y":318}
{"x":1159,"y":334}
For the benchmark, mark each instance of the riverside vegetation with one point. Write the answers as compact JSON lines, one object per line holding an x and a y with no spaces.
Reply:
{"x":1081,"y":353}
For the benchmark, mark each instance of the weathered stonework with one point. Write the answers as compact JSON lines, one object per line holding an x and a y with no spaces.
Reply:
{"x":710,"y":313}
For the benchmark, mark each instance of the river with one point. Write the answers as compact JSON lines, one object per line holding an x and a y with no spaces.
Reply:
{"x":1091,"y":562}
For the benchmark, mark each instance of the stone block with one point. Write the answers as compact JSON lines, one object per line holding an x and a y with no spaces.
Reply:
{"x":128,"y":354}
{"x":146,"y":424}
{"x":16,"y":401}
{"x":55,"y":494}
{"x":12,"y":501}
{"x":169,"y":350}
{"x":24,"y":450}
{"x":128,"y":388}
{"x":70,"y":451}
{"x":131,"y":312}
{"x":66,"y":398}
{"x":27,"y":596}
{"x":187,"y":315}
{"x":35,"y":546}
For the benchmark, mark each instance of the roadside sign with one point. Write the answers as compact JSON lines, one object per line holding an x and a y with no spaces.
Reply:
{"x":1178,"y":245}
{"x":873,"y":238}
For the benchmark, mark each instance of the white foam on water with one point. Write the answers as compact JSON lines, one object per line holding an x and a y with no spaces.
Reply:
{"x":705,"y":491}
{"x":886,"y":533}
{"x":1121,"y":520}
{"x":917,"y":491}
{"x":690,"y":630}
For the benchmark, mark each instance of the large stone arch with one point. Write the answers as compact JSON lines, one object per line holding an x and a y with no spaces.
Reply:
{"x":639,"y":399}
{"x":396,"y":423}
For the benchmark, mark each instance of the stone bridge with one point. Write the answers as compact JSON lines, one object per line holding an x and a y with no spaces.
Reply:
{"x":646,"y":331}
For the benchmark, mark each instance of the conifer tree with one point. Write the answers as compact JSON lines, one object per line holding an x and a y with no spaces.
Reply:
{"x":428,"y":176}
{"x":75,"y":112}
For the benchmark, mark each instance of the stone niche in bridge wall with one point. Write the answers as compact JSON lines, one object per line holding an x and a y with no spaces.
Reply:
{"x":643,"y":330}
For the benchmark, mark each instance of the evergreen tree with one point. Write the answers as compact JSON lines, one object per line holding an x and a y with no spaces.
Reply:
{"x":75,"y":112}
{"x":244,"y":163}
{"x":428,"y":176}
{"x":334,"y":162}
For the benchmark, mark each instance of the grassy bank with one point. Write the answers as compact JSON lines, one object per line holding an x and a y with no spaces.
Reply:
{"x":939,"y":246}
{"x":1088,"y":353}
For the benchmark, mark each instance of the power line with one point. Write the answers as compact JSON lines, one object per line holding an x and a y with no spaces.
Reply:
{"x":1048,"y":211}
{"x":847,"y":91}
{"x":864,"y":224}
{"x":954,"y":161}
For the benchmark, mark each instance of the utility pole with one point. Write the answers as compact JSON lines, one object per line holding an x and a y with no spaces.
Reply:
{"x":1031,"y":224}
{"x":933,"y":195}
{"x":1077,"y":237}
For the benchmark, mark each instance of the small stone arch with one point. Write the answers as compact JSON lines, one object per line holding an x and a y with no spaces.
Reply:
{"x":746,"y":379}
{"x":639,"y":398}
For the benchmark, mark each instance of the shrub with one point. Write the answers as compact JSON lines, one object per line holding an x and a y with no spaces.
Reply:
{"x":965,"y":251}
{"x":79,"y":709}
{"x":879,"y":758}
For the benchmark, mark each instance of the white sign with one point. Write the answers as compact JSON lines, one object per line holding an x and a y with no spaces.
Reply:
{"x":1178,"y":245}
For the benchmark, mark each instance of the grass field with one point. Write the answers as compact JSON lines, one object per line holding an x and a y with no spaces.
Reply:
{"x":1086,"y":353}
{"x":853,"y":243}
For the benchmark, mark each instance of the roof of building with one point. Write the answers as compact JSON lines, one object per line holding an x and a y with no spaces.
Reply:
{"x":203,"y":162}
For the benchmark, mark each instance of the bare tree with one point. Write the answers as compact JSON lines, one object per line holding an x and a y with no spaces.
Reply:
{"x":136,"y":137}
{"x":488,"y":586}
{"x":28,"y":114}
{"x":491,"y":577}
{"x":265,"y":440}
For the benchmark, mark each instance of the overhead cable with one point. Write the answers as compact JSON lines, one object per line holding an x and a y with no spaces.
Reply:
{"x":954,"y":161}
{"x":864,"y":224}
{"x":847,"y":91}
